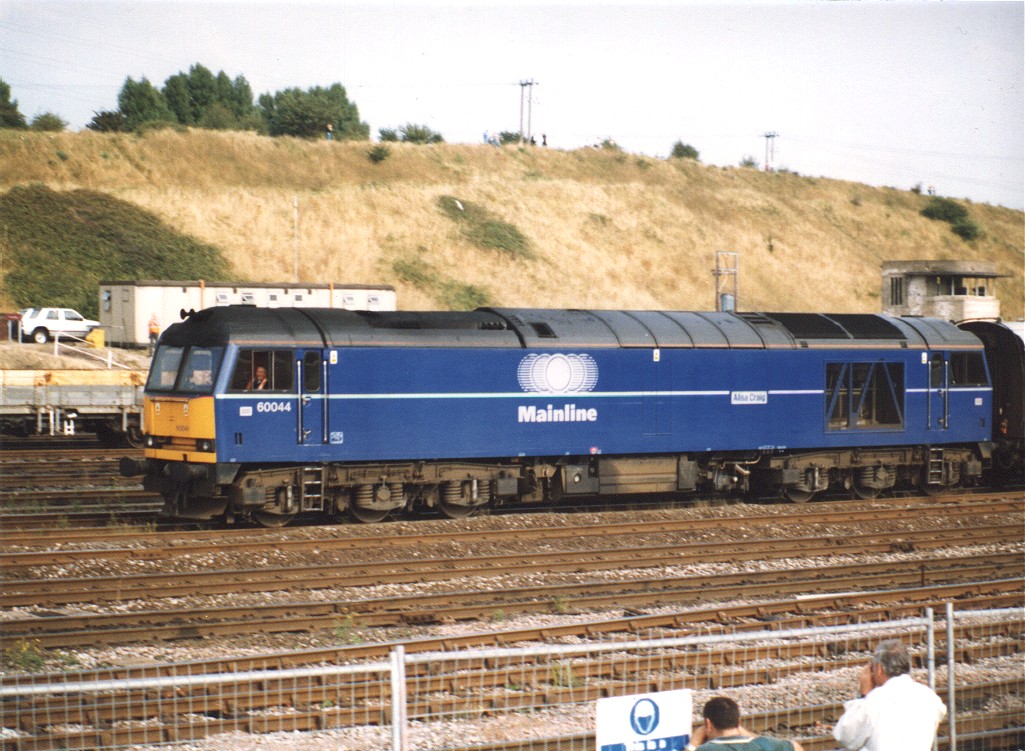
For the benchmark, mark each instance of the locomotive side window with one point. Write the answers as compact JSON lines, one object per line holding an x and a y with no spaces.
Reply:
{"x":838,"y":395}
{"x":164,"y":370}
{"x":200,"y":369}
{"x":937,"y":371}
{"x":262,"y":370}
{"x":311,"y":372}
{"x":864,"y":395}
{"x":967,"y":369}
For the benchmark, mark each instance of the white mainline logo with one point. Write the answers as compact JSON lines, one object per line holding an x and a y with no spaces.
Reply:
{"x":569,"y":413}
{"x":557,"y":374}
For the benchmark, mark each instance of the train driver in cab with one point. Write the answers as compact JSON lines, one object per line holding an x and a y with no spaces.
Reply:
{"x":259,"y":381}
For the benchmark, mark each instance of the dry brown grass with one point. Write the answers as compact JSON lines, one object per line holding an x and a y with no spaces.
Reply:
{"x":609,"y":230}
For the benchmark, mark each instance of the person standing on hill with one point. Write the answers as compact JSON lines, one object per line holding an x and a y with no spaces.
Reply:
{"x":893,"y":713}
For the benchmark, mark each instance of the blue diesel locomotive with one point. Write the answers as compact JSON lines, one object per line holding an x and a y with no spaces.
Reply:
{"x":258,"y":413}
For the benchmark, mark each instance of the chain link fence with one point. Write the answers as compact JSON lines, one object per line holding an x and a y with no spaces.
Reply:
{"x":789,"y":683}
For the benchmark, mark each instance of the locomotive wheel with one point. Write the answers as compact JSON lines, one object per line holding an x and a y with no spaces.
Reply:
{"x":270,"y":520}
{"x":795,"y":494}
{"x":368,"y":515}
{"x":866,"y":493}
{"x":456,"y":510}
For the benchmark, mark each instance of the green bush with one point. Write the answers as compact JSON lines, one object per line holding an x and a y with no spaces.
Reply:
{"x":48,"y":122}
{"x":966,"y":229}
{"x":944,"y":210}
{"x":412,"y":133}
{"x":682,"y":150}
{"x":378,"y":153}
{"x":61,"y":244}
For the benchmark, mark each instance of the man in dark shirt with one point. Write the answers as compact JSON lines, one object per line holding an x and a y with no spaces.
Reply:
{"x":722,"y":731}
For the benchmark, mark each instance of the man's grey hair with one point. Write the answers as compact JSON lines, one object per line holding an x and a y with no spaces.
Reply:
{"x":893,"y":657}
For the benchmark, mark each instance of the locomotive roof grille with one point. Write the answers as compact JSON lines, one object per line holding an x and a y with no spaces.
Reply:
{"x":836,"y":326}
{"x":428,"y":321}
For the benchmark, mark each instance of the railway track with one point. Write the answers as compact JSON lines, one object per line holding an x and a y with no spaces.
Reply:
{"x":64,"y":591}
{"x":53,"y":544}
{"x":70,"y":631}
{"x":148,"y":586}
{"x":986,"y":586}
{"x":45,"y":487}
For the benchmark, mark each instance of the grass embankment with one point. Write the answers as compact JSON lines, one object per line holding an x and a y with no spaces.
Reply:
{"x":538,"y":227}
{"x":64,"y":243}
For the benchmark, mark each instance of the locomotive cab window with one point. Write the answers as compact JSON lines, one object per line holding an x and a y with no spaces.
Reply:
{"x":864,"y":396}
{"x":968,"y":369}
{"x":199,"y":371}
{"x":262,"y":370}
{"x":164,"y":371}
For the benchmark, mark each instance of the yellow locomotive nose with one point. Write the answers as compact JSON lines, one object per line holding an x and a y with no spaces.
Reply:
{"x":180,"y":429}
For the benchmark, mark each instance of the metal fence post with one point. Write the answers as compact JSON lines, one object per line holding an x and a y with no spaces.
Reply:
{"x":930,"y":647}
{"x":930,"y":658}
{"x":399,"y":711}
{"x":951,"y":693}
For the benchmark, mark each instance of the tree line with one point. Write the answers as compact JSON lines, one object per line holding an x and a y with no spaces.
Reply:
{"x":201,"y":99}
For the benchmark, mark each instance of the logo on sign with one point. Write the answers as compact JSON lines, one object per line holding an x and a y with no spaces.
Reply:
{"x":644,"y":717}
{"x":557,"y":374}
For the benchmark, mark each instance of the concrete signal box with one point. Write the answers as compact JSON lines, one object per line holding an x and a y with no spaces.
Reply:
{"x":952,"y":290}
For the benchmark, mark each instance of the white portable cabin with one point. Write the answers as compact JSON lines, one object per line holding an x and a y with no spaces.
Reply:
{"x":126,"y":307}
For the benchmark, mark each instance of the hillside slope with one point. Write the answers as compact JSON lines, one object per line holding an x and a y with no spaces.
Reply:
{"x":601,"y":229}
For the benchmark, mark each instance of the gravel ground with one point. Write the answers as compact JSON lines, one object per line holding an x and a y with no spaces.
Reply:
{"x":557,"y":720}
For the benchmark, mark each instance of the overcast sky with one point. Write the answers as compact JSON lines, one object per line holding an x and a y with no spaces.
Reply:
{"x":894,"y":94}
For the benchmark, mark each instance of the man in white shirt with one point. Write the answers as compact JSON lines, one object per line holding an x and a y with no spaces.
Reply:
{"x":894,"y":713}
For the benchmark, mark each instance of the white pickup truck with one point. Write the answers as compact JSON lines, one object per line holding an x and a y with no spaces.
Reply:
{"x":40,"y":324}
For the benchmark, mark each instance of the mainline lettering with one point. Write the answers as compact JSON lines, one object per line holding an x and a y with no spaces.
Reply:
{"x":568,"y":413}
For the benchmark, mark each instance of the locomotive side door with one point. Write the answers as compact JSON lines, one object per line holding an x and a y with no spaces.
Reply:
{"x":311,"y":371}
{"x":938,"y":404}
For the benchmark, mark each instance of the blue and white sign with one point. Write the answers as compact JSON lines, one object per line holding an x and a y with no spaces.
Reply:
{"x":644,"y":722}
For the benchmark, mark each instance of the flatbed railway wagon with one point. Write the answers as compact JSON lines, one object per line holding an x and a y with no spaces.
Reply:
{"x":70,"y":402}
{"x":368,"y":413}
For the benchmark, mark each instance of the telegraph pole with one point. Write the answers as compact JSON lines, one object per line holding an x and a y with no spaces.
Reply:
{"x":530,"y":106}
{"x":770,"y":149}
{"x":295,"y":235}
